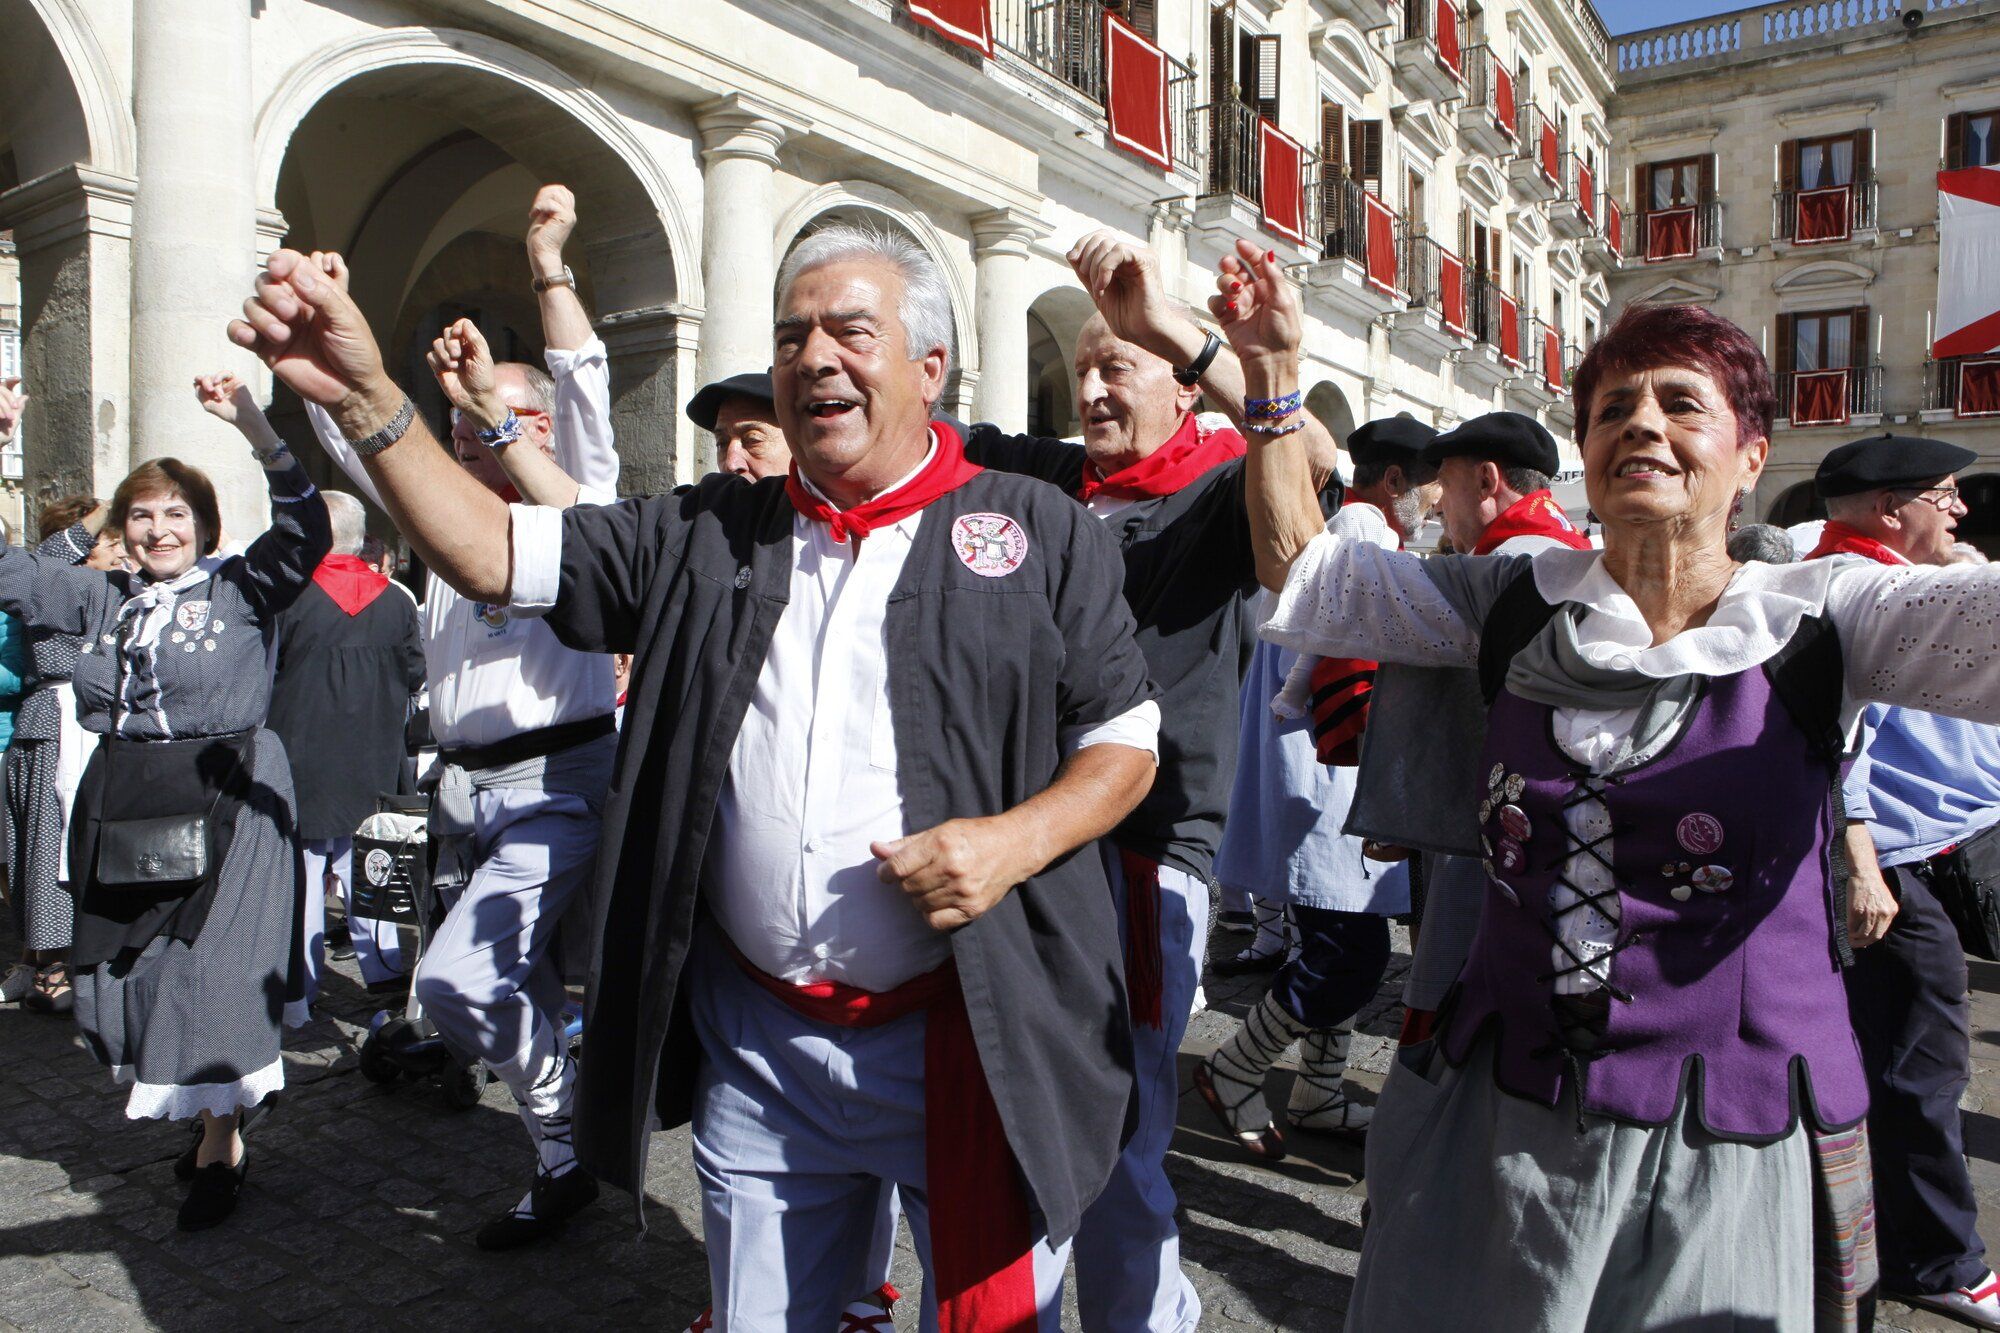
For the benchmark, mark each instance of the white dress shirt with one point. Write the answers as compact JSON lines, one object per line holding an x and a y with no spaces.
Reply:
{"x":494,"y":674}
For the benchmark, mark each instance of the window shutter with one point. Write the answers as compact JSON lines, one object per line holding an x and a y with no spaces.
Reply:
{"x":1332,"y":135}
{"x":1787,"y":352}
{"x":1788,"y":165}
{"x":1857,"y":336}
{"x":1954,"y":141}
{"x":1371,"y":154}
{"x":1145,"y":16}
{"x":1864,"y":154}
{"x":1266,"y":75}
{"x":1221,"y":54}
{"x":1707,"y":179}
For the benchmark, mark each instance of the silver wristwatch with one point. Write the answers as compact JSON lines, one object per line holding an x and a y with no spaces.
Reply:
{"x":563,"y":279}
{"x":398,"y":426}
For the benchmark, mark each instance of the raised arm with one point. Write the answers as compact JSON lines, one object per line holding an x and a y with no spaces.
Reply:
{"x":463,"y":364}
{"x":280,"y":562}
{"x":1123,"y":279}
{"x":314,"y":339}
{"x":577,"y":360}
{"x":551,"y":218}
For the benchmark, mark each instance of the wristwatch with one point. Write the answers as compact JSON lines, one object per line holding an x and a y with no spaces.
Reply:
{"x":370,"y":445}
{"x":563,"y":279}
{"x":1190,"y":374}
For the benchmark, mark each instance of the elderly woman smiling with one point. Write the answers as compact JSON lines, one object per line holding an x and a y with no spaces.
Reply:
{"x":1643,"y":1090}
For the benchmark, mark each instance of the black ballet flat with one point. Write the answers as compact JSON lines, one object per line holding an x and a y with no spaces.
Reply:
{"x":212,"y":1195}
{"x":552,"y":1201}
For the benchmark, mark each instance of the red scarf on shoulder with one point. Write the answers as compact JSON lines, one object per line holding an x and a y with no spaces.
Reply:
{"x":1535,"y":514}
{"x":350,"y":581}
{"x":1188,"y":453}
{"x":947,"y":470}
{"x":1837,"y":538}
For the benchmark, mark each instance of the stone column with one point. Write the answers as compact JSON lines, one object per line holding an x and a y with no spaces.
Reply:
{"x":1000,"y":241}
{"x":740,"y":139}
{"x":650,"y":352}
{"x":194,"y":246}
{"x":72,"y":232}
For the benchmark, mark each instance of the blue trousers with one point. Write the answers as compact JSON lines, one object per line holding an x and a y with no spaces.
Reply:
{"x":798,"y":1128}
{"x":1338,"y":967}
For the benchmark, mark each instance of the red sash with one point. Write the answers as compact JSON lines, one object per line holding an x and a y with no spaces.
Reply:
{"x":1186,"y":455}
{"x":350,"y":581}
{"x":946,"y":471}
{"x":1535,"y":514}
{"x":982,"y":1245}
{"x":1145,"y":962}
{"x":1836,"y":538}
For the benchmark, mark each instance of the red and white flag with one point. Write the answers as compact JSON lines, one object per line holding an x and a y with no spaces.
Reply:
{"x":967,"y":22}
{"x":1284,"y":184}
{"x":1968,"y":304}
{"x":1135,"y":101}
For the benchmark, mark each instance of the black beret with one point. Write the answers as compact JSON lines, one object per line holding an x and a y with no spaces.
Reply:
{"x":1390,"y":440}
{"x":1506,"y":438}
{"x":1883,"y":461}
{"x":707,"y":401}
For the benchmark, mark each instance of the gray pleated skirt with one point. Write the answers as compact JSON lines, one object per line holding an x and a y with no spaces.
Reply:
{"x":196,"y":1027}
{"x":1488,"y":1211}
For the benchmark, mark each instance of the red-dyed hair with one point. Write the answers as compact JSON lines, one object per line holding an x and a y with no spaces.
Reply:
{"x":1649,"y":336}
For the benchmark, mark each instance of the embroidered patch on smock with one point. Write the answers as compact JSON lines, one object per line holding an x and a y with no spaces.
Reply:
{"x":191,"y":615}
{"x":990,"y":545}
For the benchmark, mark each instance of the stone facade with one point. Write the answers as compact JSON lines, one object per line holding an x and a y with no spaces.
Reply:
{"x":1878,"y":84}
{"x":153,"y":151}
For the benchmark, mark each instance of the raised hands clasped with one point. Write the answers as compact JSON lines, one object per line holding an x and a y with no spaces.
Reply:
{"x":310,"y":333}
{"x":1257,"y":306}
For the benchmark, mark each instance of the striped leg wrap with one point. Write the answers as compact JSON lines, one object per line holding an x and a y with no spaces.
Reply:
{"x":1239,"y":1065}
{"x":1319,"y":1096}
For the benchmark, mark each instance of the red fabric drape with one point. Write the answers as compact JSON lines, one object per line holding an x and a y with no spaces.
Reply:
{"x":1135,"y":93}
{"x":1284,"y":186}
{"x":1614,"y":226}
{"x":1503,"y":97}
{"x":1819,"y":398}
{"x":1552,"y":362}
{"x":1549,"y":153}
{"x":1510,"y":330}
{"x":1448,"y":53}
{"x":1979,"y":388}
{"x":1381,"y":245}
{"x":1586,"y":192}
{"x":1451,"y":290}
{"x":967,"y":22}
{"x":1822,"y":215}
{"x":1670,"y":234}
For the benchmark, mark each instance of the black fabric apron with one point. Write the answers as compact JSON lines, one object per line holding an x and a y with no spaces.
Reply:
{"x":152,"y":780}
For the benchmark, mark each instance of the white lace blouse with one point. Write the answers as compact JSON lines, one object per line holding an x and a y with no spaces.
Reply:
{"x":1921,"y":637}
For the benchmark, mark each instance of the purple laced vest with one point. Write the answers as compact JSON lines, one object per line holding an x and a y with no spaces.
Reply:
{"x":1723,"y":977}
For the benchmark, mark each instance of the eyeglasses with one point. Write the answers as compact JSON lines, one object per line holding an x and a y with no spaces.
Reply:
{"x":458,"y":416}
{"x":1944,"y":499}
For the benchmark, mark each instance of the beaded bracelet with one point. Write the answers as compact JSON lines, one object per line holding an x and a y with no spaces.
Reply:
{"x":1273,"y":409}
{"x":1274,"y":430}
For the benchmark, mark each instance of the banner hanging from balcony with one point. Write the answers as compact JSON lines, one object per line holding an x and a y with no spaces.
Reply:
{"x":1552,"y":360}
{"x":1503,"y":97}
{"x":1978,"y":389}
{"x":1381,"y":246}
{"x":1449,"y":54}
{"x":1551,"y":151}
{"x":1586,"y":194}
{"x":1451,"y":290}
{"x":1135,"y":93}
{"x":1823,"y":214}
{"x":1819,"y":398}
{"x":967,"y":22}
{"x":1968,"y":304}
{"x":1283,"y":182}
{"x":1510,"y":331}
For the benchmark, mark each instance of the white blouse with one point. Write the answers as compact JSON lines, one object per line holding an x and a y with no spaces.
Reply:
{"x":1922,"y":637}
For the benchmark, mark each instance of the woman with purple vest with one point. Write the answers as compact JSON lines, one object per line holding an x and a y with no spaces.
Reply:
{"x":1643,"y":1104}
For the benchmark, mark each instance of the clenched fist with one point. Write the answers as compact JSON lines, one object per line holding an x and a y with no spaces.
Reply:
{"x":954,"y":873}
{"x":463,"y":365}
{"x":551,"y":218}
{"x":313,"y":337}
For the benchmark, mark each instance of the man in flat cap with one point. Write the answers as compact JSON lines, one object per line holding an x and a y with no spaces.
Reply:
{"x":741,"y":413}
{"x":1495,"y":473}
{"x":1294,"y":784}
{"x":1929,"y":789}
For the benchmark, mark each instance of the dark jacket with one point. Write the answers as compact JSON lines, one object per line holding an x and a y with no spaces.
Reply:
{"x":983,"y":674}
{"x":1189,"y":580}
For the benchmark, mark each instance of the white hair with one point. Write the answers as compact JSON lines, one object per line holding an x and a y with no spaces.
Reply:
{"x":349,"y":521}
{"x":925,"y":310}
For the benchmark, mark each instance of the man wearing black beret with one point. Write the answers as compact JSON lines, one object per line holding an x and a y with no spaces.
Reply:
{"x":1495,"y":470}
{"x":740,"y":412}
{"x":1928,"y":788}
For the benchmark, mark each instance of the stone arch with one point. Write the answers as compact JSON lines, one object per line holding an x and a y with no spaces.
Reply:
{"x":865,"y":201}
{"x":109,"y":139}
{"x":438,"y":140}
{"x":1055,"y":318}
{"x":1797,"y":503}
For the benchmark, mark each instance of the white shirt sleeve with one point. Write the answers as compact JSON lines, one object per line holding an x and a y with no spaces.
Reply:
{"x":1346,"y":598}
{"x":1138,"y":727}
{"x":537,"y":541}
{"x":342,"y":453}
{"x":590,"y":495}
{"x":1925,"y":637}
{"x":583,"y":416}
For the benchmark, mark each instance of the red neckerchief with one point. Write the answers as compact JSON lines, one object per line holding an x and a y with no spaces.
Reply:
{"x":350,"y":581}
{"x":1188,"y":453}
{"x":1535,"y":514}
{"x":1837,"y":538}
{"x":982,"y":1245}
{"x":946,"y":471}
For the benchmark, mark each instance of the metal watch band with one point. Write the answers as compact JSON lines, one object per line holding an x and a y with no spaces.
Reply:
{"x":398,"y":426}
{"x":566,"y":278}
{"x":1191,"y":373}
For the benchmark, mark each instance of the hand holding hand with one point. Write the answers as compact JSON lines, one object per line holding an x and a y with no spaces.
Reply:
{"x":463,"y":365}
{"x":12,"y":400}
{"x":954,"y":873}
{"x":1123,"y":279}
{"x":314,"y":339}
{"x":1258,"y":306}
{"x":551,"y":219}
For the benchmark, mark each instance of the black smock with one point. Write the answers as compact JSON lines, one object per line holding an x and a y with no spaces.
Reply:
{"x":340,"y":700}
{"x":1189,"y":580}
{"x":984,"y":673}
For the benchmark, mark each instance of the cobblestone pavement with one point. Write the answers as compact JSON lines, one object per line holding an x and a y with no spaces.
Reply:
{"x":362,"y":1200}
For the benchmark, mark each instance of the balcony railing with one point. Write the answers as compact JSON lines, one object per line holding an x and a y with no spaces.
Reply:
{"x":1490,"y":88}
{"x":1614,"y":221}
{"x":1578,"y":188}
{"x":1539,"y":141}
{"x":1820,"y":217}
{"x":1357,"y":226}
{"x":1433,"y":277}
{"x":1829,"y":397}
{"x":1545,"y":354}
{"x":1440,"y":25}
{"x":1496,"y":319}
{"x":1965,"y":386}
{"x":1064,"y":39}
{"x":1227,"y":132}
{"x":1682,"y":232}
